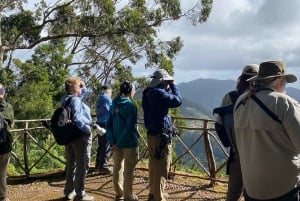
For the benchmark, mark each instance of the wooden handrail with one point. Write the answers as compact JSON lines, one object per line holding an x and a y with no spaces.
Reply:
{"x":202,"y":128}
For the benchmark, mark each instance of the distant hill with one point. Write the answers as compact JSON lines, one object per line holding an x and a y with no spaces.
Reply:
{"x":206,"y":94}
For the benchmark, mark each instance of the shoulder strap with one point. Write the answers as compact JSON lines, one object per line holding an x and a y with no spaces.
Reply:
{"x":233,"y":96}
{"x":267,"y":110}
{"x":117,"y":112}
{"x":67,"y":103}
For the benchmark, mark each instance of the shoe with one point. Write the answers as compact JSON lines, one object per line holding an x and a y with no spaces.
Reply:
{"x":119,"y":198}
{"x":85,"y":197}
{"x":133,"y":198}
{"x":104,"y":170}
{"x":71,"y":196}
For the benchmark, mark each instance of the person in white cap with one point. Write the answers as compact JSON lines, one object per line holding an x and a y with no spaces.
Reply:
{"x":233,"y":169}
{"x":267,"y":125}
{"x":161,"y":94}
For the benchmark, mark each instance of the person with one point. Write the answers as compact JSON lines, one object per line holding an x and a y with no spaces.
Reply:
{"x":103,"y":104}
{"x":235,"y":182}
{"x":78,"y":152}
{"x":123,"y":137}
{"x":8,"y":116}
{"x":267,"y":124}
{"x":161,"y":94}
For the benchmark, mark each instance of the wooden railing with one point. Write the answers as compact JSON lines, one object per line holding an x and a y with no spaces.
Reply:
{"x":31,"y":133}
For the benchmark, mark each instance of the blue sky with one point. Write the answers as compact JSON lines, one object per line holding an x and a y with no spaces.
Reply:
{"x":238,"y":32}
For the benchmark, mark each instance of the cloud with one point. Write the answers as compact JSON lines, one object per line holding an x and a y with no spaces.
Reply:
{"x":238,"y":32}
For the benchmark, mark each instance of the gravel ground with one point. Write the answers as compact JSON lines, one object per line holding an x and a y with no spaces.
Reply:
{"x":100,"y":186}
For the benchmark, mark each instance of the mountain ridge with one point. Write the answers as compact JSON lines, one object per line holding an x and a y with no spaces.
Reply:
{"x":207,"y":93}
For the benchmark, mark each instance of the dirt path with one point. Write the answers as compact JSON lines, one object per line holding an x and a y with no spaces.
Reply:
{"x":100,"y":187}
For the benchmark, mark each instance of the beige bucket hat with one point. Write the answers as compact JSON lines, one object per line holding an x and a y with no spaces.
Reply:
{"x":272,"y":69}
{"x":159,"y":76}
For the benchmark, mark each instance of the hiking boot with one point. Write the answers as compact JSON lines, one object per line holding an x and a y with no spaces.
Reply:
{"x":104,"y":170}
{"x":119,"y":198}
{"x":71,"y":196}
{"x":133,"y":198}
{"x":85,"y":197}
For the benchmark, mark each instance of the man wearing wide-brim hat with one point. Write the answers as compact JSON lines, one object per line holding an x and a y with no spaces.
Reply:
{"x":161,"y":95}
{"x":268,"y":139}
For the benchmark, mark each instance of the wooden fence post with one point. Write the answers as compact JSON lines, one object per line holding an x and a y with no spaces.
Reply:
{"x":209,"y":154}
{"x":25,"y":151}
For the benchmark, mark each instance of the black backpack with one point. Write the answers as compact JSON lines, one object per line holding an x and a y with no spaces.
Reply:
{"x":225,"y":131}
{"x":62,"y":126}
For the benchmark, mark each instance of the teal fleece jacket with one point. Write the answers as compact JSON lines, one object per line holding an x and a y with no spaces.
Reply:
{"x":121,"y":123}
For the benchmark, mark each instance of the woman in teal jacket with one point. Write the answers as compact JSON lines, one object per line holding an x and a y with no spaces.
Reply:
{"x":123,"y":137}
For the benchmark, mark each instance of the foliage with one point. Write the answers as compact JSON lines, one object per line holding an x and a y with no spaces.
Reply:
{"x":105,"y":36}
{"x":98,"y":40}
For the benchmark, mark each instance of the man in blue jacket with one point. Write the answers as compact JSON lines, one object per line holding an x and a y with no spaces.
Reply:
{"x":161,"y":95}
{"x":103,"y":105}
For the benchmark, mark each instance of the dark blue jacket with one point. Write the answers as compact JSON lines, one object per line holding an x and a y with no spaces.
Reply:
{"x":156,"y":103}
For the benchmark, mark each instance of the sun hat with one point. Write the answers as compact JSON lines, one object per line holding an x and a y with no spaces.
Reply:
{"x":250,"y":69}
{"x":159,"y":76}
{"x":272,"y":69}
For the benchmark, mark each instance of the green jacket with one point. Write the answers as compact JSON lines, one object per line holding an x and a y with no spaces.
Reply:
{"x":7,"y":111}
{"x":5,"y":136}
{"x":121,"y":123}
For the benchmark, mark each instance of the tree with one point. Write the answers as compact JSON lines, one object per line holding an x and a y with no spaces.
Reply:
{"x":100,"y":33}
{"x":102,"y":39}
{"x":40,"y":81}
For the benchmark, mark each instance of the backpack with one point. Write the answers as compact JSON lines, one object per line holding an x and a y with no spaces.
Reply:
{"x":225,"y":131}
{"x":5,"y":136}
{"x":62,"y":126}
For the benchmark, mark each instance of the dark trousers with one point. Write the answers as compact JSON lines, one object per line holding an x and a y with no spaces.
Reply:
{"x":103,"y":152}
{"x":235,"y":183}
{"x":293,"y":195}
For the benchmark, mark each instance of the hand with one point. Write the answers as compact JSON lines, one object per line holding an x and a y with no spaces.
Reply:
{"x":99,"y":130}
{"x":171,"y":82}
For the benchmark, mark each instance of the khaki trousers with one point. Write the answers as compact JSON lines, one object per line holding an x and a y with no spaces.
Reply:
{"x":158,"y":169}
{"x":125,"y":160}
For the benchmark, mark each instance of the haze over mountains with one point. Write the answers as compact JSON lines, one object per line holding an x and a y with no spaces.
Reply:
{"x":205,"y":94}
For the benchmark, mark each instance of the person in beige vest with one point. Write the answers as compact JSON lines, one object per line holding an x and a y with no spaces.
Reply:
{"x":267,"y":126}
